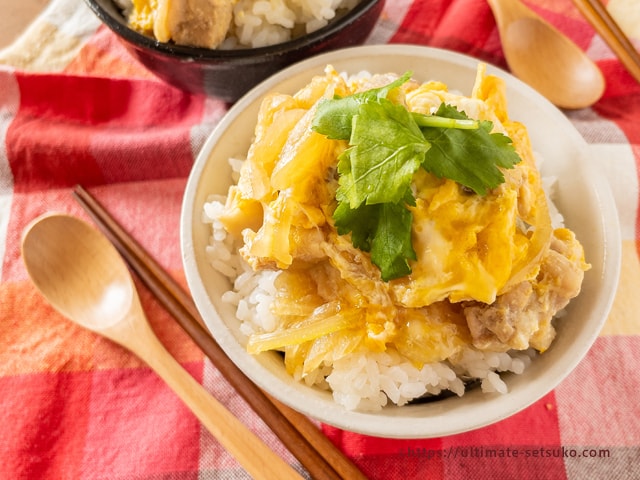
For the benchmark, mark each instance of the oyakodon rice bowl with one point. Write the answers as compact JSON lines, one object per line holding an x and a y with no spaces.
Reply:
{"x":385,"y":276}
{"x":231,"y":23}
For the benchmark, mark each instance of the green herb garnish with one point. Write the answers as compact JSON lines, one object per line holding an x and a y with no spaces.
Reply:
{"x":387,"y":146}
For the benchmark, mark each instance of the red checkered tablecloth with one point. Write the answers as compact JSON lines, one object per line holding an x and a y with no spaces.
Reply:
{"x":75,"y":107}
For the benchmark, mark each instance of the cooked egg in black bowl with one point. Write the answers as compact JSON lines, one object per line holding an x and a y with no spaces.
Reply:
{"x":253,"y":43}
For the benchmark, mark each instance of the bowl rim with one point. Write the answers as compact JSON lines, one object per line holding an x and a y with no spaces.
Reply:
{"x":120,"y":27}
{"x":444,"y":418}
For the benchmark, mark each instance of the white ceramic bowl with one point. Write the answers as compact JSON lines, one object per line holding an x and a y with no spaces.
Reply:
{"x":583,"y":197}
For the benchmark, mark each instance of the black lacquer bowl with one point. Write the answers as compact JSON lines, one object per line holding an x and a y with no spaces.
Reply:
{"x":229,"y":74}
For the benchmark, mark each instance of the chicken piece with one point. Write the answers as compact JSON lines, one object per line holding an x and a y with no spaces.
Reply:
{"x":521,"y":317}
{"x":307,"y":244}
{"x":357,"y":271}
{"x":507,"y":323}
{"x":198,"y":23}
{"x":431,"y":334}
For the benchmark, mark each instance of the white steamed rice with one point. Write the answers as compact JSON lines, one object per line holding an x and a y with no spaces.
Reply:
{"x":259,"y":23}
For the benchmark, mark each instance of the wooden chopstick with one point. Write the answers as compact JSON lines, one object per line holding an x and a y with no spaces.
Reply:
{"x":321,"y":458}
{"x":598,"y":16}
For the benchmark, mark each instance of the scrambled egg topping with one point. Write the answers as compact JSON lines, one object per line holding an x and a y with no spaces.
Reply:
{"x":142,"y":15}
{"x":490,"y":273}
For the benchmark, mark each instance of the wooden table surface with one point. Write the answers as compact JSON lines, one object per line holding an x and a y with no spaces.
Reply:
{"x":16,"y":16}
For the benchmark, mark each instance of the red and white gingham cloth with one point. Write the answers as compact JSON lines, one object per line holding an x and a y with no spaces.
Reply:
{"x":75,"y":107}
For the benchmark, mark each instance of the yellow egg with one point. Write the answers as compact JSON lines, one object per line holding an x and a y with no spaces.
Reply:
{"x":142,"y":16}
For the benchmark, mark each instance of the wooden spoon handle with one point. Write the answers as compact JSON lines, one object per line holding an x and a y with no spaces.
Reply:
{"x":252,"y":453}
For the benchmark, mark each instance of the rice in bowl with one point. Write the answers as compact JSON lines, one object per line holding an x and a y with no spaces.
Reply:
{"x":376,"y":368}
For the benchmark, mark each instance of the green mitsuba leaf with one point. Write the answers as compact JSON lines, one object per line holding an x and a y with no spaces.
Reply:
{"x":469,"y":157}
{"x":387,"y":145}
{"x":384,"y":229}
{"x":334,"y":117}
{"x":388,"y":149}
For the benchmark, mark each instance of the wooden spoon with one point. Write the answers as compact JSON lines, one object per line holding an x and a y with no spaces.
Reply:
{"x":82,"y":275}
{"x":541,"y":56}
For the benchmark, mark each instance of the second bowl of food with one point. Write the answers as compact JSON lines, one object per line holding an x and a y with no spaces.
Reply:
{"x":224,"y":48}
{"x":385,"y":239}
